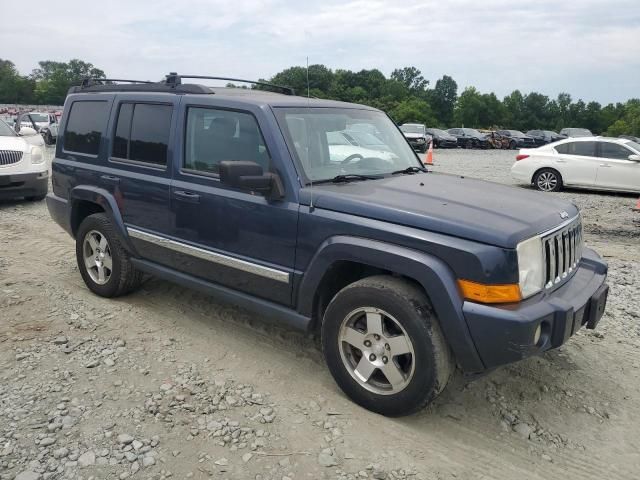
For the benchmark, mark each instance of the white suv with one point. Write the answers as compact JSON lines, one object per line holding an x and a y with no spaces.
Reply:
{"x":23,"y":167}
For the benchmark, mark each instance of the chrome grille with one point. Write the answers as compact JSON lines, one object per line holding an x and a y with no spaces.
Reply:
{"x":9,"y":157}
{"x":562,"y":250}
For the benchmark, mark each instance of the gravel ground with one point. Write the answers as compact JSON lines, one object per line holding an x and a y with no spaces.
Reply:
{"x":168,"y":383}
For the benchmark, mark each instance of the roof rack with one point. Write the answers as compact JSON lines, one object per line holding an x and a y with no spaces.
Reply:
{"x":171,"y":84}
{"x":174,"y":77}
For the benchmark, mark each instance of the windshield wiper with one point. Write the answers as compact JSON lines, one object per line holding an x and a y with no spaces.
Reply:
{"x":348,"y":177}
{"x":411,"y":169}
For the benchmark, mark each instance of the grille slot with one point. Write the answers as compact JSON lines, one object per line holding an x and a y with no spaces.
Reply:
{"x":9,"y":157}
{"x":562,"y":250}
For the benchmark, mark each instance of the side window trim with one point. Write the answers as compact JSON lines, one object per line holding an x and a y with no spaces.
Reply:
{"x":183,"y":170}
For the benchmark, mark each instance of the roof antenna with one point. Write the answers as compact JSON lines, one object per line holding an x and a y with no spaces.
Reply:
{"x":311,"y":208}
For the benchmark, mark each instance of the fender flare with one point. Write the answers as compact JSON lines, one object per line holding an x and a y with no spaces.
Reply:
{"x":433,"y":274}
{"x":107,"y":201}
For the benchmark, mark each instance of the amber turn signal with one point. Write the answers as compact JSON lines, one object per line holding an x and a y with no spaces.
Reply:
{"x":479,"y":292}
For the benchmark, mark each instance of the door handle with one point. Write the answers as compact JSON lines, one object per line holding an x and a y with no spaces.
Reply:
{"x":110,"y":179}
{"x":604,"y":165}
{"x":561,"y":161}
{"x":184,"y":196}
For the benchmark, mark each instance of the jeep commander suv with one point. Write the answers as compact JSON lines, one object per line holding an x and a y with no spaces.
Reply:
{"x":403,"y":273}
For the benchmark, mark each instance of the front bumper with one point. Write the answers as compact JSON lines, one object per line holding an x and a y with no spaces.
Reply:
{"x":417,"y":145}
{"x":24,"y":185}
{"x":505,"y":334}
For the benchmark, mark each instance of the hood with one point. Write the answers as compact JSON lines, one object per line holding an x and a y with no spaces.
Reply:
{"x":477,"y":210}
{"x":13,"y":143}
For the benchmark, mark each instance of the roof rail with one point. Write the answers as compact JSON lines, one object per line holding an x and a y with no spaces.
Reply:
{"x":174,"y":77}
{"x":87,"y":82}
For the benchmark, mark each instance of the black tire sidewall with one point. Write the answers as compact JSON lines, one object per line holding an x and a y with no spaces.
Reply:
{"x":101,"y":224}
{"x":424,"y":385}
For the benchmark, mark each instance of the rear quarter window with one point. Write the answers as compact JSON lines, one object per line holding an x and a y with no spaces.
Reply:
{"x":86,"y":123}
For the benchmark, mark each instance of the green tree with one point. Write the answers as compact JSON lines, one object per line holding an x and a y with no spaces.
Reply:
{"x":53,"y":79}
{"x":14,"y":88}
{"x":413,"y":110}
{"x":411,"y":78}
{"x":443,"y":99}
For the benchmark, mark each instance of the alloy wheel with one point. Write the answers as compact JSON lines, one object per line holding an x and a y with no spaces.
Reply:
{"x":376,"y":351}
{"x":547,"y":181}
{"x":97,"y":257}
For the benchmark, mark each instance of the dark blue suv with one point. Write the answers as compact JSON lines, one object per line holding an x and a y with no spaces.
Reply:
{"x":404,"y":274}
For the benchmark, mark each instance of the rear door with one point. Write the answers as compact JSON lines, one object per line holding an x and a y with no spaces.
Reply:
{"x":615,"y":170}
{"x":138,"y":172}
{"x":577,"y":162}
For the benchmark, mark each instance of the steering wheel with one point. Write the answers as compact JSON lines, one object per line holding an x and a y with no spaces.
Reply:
{"x":351,"y":158}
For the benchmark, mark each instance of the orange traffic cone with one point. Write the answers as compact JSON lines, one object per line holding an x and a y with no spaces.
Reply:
{"x":637,"y":207}
{"x":429,"y":159}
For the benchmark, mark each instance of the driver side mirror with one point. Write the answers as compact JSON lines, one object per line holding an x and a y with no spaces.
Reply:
{"x":634,"y":157}
{"x":249,"y":176}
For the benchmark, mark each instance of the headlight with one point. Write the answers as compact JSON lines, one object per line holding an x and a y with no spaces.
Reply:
{"x":36,"y":155}
{"x":530,"y":266}
{"x":420,"y":140}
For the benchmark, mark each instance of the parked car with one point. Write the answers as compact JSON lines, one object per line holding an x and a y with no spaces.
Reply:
{"x":417,"y":136}
{"x":542,"y":137}
{"x":23,"y":167}
{"x":629,"y":137}
{"x":365,"y":140}
{"x":576,"y":132}
{"x":597,"y":163}
{"x":403,"y":274}
{"x":469,"y":138}
{"x":517,"y":139}
{"x":42,"y":122}
{"x":343,"y":149}
{"x":442,"y":139}
{"x":496,"y":141}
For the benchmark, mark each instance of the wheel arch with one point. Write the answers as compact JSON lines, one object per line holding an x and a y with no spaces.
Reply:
{"x":86,"y":200}
{"x":342,"y":260}
{"x":547,"y":167}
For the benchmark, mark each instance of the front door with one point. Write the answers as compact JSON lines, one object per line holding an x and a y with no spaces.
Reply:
{"x":615,"y":170}
{"x":227,"y":236}
{"x":577,"y":162}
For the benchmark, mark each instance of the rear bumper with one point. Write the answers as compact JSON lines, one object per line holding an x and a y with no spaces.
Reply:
{"x":24,"y":185}
{"x":505,"y":334}
{"x":59,"y":211}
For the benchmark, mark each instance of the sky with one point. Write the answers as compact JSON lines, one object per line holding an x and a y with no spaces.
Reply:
{"x":588,"y":48}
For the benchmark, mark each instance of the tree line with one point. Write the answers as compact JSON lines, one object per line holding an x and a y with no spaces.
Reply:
{"x":406,"y":95}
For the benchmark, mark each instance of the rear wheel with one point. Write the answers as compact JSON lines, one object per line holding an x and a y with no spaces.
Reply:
{"x":103,"y":262}
{"x":548,"y":180}
{"x":512,"y":145}
{"x":383,"y":345}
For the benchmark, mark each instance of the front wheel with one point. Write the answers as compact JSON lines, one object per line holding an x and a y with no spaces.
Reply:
{"x":383,"y":345}
{"x":548,"y":180}
{"x":103,"y":262}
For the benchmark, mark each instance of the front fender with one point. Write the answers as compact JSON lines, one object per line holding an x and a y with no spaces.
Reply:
{"x":432,"y":273}
{"x":104,"y":199}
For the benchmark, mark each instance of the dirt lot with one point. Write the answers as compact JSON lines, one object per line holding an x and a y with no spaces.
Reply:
{"x":168,"y":383}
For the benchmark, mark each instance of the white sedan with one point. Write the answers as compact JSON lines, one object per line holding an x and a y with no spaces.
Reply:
{"x":597,"y":163}
{"x":341,"y":150}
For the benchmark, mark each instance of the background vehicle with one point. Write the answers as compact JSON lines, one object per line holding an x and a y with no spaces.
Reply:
{"x":344,"y":148}
{"x":469,"y":138}
{"x":42,"y":122}
{"x":629,"y":137}
{"x":542,"y":137}
{"x":597,"y":163}
{"x":576,"y":132}
{"x":517,"y":139}
{"x":365,"y":140}
{"x":442,"y":138}
{"x":23,"y":167}
{"x":417,"y":136}
{"x":246,"y":203}
{"x":496,"y":141}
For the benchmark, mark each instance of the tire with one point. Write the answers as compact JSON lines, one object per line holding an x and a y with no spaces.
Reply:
{"x":122,"y":277}
{"x":408,"y":323}
{"x":548,"y":180}
{"x":48,"y":138}
{"x":512,"y":145}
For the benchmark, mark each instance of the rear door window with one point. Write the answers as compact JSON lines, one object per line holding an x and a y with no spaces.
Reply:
{"x":87,"y":121}
{"x":585,"y":149}
{"x":142,"y":133}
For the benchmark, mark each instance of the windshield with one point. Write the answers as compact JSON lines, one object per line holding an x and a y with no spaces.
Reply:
{"x":38,"y":117}
{"x":516,"y":133}
{"x":313,"y":137}
{"x":437,"y":131}
{"x":6,"y":130}
{"x":472,"y":131}
{"x":408,"y":128}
